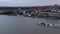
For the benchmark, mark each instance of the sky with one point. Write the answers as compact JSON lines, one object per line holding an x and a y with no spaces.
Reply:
{"x":28,"y":2}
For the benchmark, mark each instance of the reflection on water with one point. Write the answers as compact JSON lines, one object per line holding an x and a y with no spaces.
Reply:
{"x":25,"y":25}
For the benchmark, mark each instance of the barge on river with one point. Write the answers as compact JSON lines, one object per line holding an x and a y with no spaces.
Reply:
{"x":49,"y":25}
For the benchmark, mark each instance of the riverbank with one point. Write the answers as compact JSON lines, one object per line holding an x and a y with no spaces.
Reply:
{"x":36,"y":12}
{"x":34,"y":16}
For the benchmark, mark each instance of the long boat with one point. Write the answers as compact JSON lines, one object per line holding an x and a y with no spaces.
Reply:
{"x":49,"y":25}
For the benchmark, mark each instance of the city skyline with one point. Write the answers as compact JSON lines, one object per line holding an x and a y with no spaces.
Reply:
{"x":28,"y":2}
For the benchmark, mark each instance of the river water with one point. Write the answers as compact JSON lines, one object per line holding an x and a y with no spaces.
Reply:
{"x":26,"y":25}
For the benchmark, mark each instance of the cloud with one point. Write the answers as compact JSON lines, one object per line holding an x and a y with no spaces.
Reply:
{"x":28,"y":2}
{"x":4,"y":0}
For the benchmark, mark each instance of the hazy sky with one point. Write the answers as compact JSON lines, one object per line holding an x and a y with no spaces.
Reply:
{"x":28,"y":2}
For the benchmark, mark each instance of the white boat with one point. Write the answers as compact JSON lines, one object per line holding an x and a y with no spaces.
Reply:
{"x":50,"y":25}
{"x":27,"y":14}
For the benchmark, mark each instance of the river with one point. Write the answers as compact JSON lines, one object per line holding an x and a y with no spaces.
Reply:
{"x":26,"y":25}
